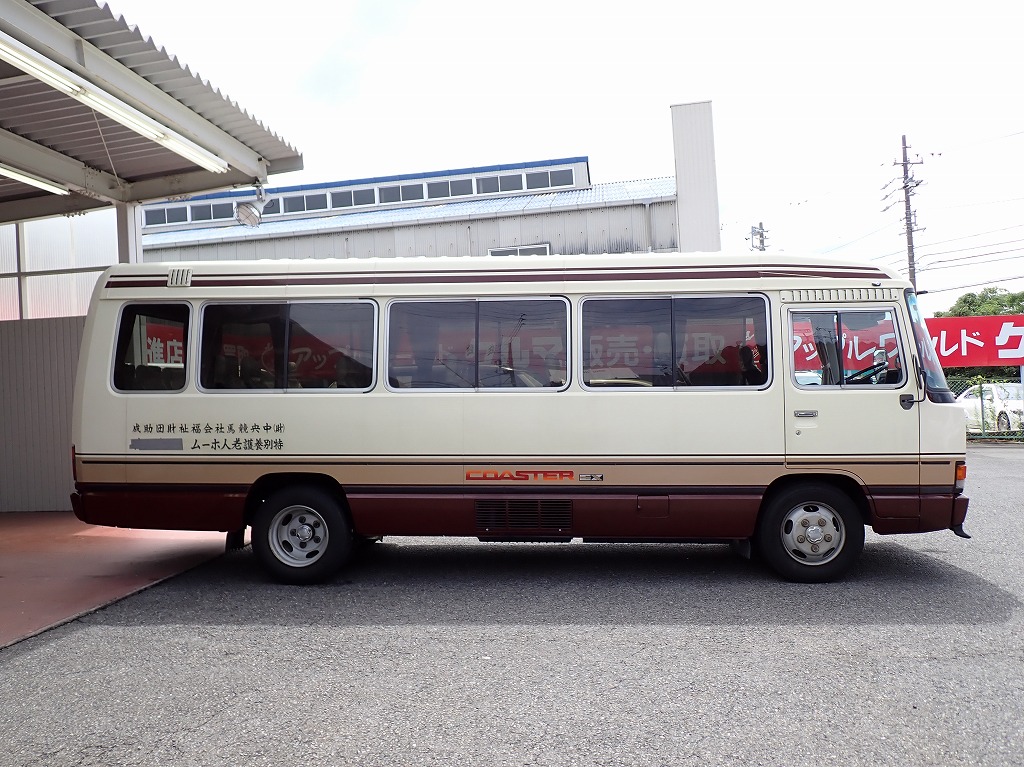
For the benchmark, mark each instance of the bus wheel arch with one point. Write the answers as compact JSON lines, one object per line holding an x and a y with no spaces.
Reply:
{"x":810,"y":529}
{"x":301,"y":528}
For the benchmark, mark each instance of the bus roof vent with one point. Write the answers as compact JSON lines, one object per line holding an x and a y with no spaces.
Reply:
{"x":840,"y":294}
{"x":179,"y":277}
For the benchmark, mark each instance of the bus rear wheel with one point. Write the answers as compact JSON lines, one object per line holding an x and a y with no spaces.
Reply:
{"x":301,"y":535}
{"x":811,"y":533}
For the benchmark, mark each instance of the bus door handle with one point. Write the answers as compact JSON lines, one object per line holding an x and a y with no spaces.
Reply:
{"x":805,"y":413}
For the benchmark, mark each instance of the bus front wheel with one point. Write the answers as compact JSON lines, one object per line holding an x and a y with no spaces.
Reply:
{"x":301,"y":535}
{"x":811,"y":533}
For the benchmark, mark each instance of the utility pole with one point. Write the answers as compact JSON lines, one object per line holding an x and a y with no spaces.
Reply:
{"x":909,"y":217}
{"x":757,"y":237}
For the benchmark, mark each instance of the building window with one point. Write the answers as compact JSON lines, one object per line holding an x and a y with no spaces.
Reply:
{"x":201,"y":212}
{"x":522,"y":250}
{"x":537,"y":180}
{"x":390,"y":194}
{"x":364,"y":197}
{"x":294,"y":204}
{"x":511,"y":183}
{"x":487,"y":185}
{"x":341,"y":199}
{"x":155,"y":217}
{"x":316,"y":202}
{"x":273,"y":206}
{"x":412,"y":192}
{"x":436,"y":189}
{"x":561,"y":177}
{"x":462,"y":186}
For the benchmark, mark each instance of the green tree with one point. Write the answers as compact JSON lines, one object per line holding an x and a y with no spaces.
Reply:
{"x":986,"y":303}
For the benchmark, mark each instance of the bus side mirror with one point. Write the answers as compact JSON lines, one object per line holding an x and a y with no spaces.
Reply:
{"x":922,"y":382}
{"x":907,"y":401}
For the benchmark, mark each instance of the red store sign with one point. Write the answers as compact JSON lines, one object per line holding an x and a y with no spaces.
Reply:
{"x":978,"y":341}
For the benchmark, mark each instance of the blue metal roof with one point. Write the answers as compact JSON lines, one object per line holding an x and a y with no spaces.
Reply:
{"x":272,"y":191}
{"x":598,"y":195}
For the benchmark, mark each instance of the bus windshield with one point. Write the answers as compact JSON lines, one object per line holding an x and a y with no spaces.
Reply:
{"x":935,"y":380}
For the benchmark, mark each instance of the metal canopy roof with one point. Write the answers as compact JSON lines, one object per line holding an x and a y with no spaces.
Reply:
{"x":52,"y":135}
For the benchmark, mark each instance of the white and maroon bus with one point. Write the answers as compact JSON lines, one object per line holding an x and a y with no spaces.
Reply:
{"x":780,"y":402}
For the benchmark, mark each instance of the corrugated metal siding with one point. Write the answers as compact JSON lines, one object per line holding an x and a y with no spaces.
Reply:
{"x":693,"y":137}
{"x":663,"y":227}
{"x":94,"y":238}
{"x":8,"y":249}
{"x":552,"y":203}
{"x":58,"y":295}
{"x":37,"y":377}
{"x":615,"y":229}
{"x":46,"y":247}
{"x":66,"y":243}
{"x":9,"y":298}
{"x":572,"y":234}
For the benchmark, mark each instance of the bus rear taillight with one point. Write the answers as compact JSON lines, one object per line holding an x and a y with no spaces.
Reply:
{"x":961,"y":476}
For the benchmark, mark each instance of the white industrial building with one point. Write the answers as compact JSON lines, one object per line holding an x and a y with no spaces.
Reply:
{"x":152,"y":202}
{"x":534,"y":207}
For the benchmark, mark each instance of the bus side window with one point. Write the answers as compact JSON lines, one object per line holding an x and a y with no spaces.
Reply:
{"x":243,"y":346}
{"x":331,"y":345}
{"x":847,"y":348}
{"x":627,"y":342}
{"x":871,"y":353}
{"x":151,"y":338}
{"x":720,"y":341}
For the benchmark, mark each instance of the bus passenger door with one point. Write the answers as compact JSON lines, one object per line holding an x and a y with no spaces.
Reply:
{"x":848,"y":372}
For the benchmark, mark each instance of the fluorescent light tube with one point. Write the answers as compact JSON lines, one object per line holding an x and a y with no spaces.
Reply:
{"x":32,"y":63}
{"x":20,"y":56}
{"x":32,"y":180}
{"x":123,"y":116}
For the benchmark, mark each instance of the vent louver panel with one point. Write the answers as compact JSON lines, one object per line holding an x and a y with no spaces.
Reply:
{"x":179,"y":277}
{"x":519,"y":515}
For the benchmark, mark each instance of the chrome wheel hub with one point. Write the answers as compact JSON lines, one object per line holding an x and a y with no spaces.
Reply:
{"x":812,"y":533}
{"x":298,"y":536}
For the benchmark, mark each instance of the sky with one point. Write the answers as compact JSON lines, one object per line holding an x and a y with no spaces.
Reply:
{"x":809,"y":100}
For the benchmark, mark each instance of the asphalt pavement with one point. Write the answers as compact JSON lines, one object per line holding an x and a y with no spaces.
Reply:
{"x":431,"y":651}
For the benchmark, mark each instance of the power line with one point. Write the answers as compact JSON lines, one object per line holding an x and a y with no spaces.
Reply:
{"x":862,"y":237}
{"x":974,"y":285}
{"x":973,"y":247}
{"x":979,"y":204}
{"x":952,"y":265}
{"x":953,"y":239}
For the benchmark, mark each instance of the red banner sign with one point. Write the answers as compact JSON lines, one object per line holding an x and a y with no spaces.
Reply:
{"x":978,"y":341}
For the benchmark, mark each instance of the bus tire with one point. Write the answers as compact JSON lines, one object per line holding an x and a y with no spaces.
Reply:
{"x":301,"y":535}
{"x":810,"y":533}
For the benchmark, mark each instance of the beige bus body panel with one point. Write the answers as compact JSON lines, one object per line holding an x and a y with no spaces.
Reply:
{"x":425,"y":437}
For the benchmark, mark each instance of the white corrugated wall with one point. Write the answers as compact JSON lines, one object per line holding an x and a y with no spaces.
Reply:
{"x":37,"y":380}
{"x":615,"y":229}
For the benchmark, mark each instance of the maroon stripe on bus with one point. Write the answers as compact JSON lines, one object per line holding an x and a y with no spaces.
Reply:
{"x":494,"y":277}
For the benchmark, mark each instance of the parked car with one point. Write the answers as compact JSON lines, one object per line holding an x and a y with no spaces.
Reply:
{"x":1003,"y":407}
